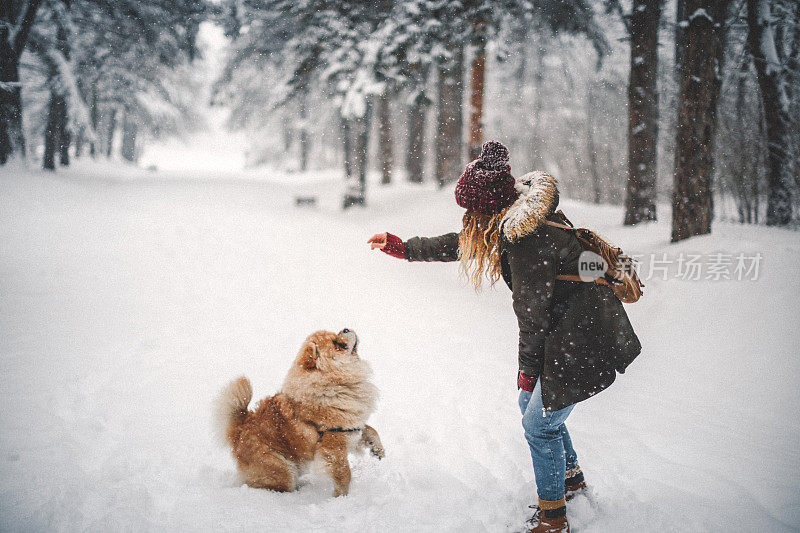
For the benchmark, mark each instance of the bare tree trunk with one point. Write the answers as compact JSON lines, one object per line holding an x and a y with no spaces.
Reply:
{"x":286,"y":132}
{"x":347,"y":147}
{"x":763,"y":47}
{"x":592,"y":148}
{"x":112,"y":126}
{"x":640,"y":194}
{"x":94,"y":116}
{"x":51,"y":130}
{"x":357,"y":175}
{"x":537,"y":158}
{"x":64,"y":135}
{"x":415,"y":149}
{"x":477,"y":75}
{"x":385,"y":137}
{"x":692,"y":200}
{"x":129,"y":131}
{"x":56,"y":140}
{"x":56,"y":136}
{"x":12,"y":138}
{"x":792,"y":86}
{"x":450,"y":124}
{"x":362,"y":146}
{"x":416,"y":137}
{"x":793,"y":58}
{"x":682,"y":20}
{"x":303,"y":134}
{"x":740,"y":174}
{"x":54,"y":132}
{"x":756,"y":193}
{"x":79,"y":140}
{"x":16,"y":20}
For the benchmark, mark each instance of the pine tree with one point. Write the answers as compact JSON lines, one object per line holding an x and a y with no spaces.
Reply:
{"x":418,"y":102}
{"x":113,"y":61}
{"x":405,"y":59}
{"x":131,"y":61}
{"x":312,"y":44}
{"x":385,"y":137}
{"x":362,"y":54}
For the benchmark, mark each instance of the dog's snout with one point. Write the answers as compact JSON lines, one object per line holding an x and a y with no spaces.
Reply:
{"x":352,"y":338}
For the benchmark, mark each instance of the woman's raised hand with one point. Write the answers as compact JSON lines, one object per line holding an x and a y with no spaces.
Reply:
{"x":378,"y":241}
{"x":388,"y":244}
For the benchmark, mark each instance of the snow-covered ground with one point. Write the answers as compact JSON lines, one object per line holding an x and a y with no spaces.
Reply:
{"x":128,"y":299}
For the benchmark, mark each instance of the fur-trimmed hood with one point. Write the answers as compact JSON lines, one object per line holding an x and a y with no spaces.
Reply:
{"x":538,"y":197}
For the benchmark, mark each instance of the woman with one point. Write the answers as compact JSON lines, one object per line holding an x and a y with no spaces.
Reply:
{"x":573,"y":336}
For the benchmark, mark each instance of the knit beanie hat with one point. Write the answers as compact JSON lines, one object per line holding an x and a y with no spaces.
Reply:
{"x":487,"y":185}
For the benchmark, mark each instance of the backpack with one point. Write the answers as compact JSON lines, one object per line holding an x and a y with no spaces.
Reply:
{"x":620,"y":273}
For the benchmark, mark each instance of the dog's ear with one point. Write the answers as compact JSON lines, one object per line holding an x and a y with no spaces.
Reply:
{"x":309,"y":355}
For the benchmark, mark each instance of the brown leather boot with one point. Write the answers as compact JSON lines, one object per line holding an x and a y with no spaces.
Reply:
{"x":574,"y":483}
{"x":552,"y":517}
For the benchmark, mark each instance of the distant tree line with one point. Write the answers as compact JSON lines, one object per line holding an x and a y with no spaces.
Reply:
{"x":705,"y":94}
{"x":364,"y":54}
{"x":549,"y":75}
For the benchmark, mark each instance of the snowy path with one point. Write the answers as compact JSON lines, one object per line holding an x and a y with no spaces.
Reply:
{"x":125,"y":305}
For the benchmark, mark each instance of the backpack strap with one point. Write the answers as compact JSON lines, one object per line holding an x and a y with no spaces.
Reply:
{"x":626,"y":284}
{"x":567,"y":223}
{"x":557,"y":225}
{"x":572,"y":277}
{"x":563,"y":217}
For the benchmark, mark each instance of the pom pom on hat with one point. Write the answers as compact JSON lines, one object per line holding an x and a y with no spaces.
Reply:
{"x":494,"y":156}
{"x":487,"y":185}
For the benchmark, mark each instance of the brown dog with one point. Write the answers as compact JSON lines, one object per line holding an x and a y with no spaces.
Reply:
{"x":320,"y":412}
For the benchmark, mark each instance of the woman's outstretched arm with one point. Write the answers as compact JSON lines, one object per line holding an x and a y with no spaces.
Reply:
{"x":441,"y":248}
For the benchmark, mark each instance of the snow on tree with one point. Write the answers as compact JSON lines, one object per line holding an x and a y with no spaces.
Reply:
{"x":16,"y":20}
{"x":445,"y":32}
{"x":358,"y":53}
{"x":135,"y":66}
{"x":117,"y":61}
{"x":315,"y":43}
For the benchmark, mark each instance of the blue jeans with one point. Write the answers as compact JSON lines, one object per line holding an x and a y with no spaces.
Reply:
{"x":549,"y":441}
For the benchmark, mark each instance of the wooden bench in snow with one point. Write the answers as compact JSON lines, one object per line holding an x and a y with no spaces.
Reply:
{"x":305,"y":201}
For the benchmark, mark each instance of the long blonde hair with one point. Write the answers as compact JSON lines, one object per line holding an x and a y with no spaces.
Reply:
{"x":479,"y":247}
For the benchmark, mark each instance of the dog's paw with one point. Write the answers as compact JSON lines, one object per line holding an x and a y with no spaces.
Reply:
{"x":377,"y":451}
{"x":371,"y":441}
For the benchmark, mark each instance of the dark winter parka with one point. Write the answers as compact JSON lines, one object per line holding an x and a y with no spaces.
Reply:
{"x":574,"y":336}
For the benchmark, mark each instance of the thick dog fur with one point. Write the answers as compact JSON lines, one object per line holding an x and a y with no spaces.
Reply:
{"x":326,"y":388}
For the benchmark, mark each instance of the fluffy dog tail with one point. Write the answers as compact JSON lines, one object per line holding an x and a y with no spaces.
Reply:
{"x":230,"y":408}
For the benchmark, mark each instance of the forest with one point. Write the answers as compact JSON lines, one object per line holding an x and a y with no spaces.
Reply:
{"x":693,"y":103}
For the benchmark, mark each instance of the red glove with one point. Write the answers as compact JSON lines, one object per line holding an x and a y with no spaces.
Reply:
{"x":526,"y":382}
{"x":394,"y":246}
